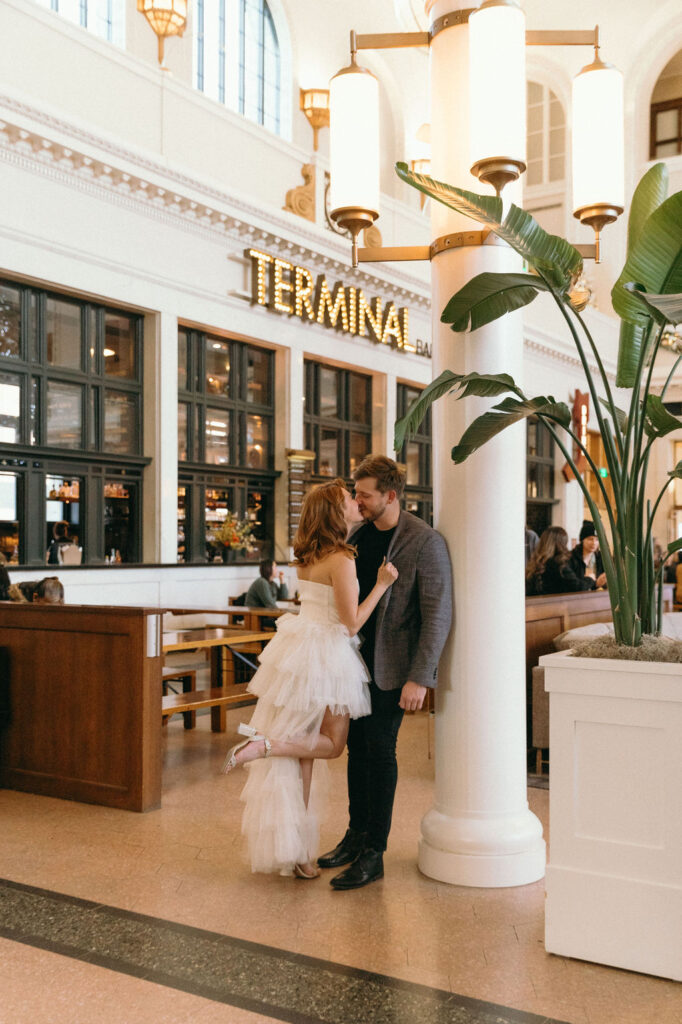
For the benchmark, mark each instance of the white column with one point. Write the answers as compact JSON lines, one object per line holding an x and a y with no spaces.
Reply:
{"x":160,"y":530}
{"x":480,"y":831}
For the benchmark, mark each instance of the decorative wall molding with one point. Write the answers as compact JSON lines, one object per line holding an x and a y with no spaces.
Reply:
{"x":116,"y":174}
{"x":301,"y":200}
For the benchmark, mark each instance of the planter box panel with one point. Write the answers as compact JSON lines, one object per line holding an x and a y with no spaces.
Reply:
{"x":614,"y":879}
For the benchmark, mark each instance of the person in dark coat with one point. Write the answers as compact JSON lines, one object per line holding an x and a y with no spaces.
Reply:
{"x":550,"y":571}
{"x":60,"y":538}
{"x":586,"y":559}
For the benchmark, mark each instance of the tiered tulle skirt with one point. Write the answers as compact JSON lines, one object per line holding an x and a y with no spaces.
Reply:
{"x":307,"y":667}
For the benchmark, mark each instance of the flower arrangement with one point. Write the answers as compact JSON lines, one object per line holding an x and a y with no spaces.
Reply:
{"x":235,"y":533}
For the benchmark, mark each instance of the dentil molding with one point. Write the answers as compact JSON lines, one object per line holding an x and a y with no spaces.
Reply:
{"x":175,"y":198}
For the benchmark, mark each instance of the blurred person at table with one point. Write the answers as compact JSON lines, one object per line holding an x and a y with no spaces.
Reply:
{"x":311,"y":682}
{"x":265,"y":592}
{"x":586,"y":560}
{"x":550,"y":570}
{"x":49,"y":590}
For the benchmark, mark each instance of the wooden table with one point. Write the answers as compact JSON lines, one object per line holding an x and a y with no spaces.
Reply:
{"x":224,"y":691}
{"x":250,"y":617}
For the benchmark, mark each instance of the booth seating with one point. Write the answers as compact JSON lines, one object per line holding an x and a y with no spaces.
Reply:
{"x":552,"y":622}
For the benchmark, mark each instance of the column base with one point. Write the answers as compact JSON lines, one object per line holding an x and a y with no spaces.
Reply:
{"x":482,"y":853}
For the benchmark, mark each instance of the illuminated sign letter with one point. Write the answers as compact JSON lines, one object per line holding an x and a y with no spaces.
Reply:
{"x":369,"y":314}
{"x":392,"y":334}
{"x":259,"y":275}
{"x":281,"y":284}
{"x":331,"y":308}
{"x":303,"y":289}
{"x":352,"y":303}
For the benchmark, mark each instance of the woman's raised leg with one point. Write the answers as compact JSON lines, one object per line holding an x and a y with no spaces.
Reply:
{"x":329,"y":743}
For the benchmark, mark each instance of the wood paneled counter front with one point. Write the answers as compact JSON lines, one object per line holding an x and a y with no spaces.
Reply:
{"x":84,"y":703}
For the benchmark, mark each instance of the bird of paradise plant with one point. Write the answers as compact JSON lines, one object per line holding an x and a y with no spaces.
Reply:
{"x":647,"y":298}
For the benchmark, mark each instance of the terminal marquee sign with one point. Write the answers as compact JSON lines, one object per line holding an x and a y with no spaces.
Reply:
{"x":285,"y":287}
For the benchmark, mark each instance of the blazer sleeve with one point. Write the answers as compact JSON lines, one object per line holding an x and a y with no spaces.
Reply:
{"x":434,"y":585}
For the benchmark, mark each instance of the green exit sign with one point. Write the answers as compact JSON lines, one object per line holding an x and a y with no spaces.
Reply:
{"x":603,"y":472}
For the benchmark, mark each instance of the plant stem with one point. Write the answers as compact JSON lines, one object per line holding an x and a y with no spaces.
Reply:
{"x":605,"y":379}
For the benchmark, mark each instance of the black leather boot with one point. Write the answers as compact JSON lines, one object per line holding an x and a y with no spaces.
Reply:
{"x":367,"y":867}
{"x":350,"y":846}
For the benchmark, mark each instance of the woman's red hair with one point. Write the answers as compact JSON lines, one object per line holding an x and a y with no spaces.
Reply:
{"x":322,"y":528}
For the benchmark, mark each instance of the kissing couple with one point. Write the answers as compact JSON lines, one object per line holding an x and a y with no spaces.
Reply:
{"x":363,"y":563}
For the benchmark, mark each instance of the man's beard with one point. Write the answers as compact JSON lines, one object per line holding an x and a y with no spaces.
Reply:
{"x":370,"y":517}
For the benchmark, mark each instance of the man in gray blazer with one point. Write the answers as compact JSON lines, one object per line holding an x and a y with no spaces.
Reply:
{"x":402,"y":643}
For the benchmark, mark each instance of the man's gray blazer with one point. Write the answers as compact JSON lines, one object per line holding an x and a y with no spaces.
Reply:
{"x":414,"y":616}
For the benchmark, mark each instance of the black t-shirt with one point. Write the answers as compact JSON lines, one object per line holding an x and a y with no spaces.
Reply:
{"x":372,"y":545}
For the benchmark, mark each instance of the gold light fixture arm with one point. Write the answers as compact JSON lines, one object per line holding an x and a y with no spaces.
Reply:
{"x":561,"y":37}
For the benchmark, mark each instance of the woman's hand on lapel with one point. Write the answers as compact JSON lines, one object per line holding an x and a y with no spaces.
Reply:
{"x":412,"y":696}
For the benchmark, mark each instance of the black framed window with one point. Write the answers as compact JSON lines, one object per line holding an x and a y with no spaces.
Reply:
{"x":539,"y":475}
{"x":416,"y":456}
{"x":337,"y":418}
{"x":225,"y":444}
{"x":665,"y":133}
{"x":70,"y":414}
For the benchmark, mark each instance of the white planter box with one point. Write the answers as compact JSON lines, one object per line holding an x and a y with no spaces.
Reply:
{"x":614,"y":877}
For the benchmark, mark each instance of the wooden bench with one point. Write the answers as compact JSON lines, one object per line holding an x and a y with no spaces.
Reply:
{"x":188,"y":678}
{"x":189,"y":703}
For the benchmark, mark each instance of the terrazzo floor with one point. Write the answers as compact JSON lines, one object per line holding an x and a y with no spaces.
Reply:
{"x":145,"y":919}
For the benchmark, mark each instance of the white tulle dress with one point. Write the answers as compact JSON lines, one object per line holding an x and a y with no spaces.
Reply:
{"x":311,"y":664}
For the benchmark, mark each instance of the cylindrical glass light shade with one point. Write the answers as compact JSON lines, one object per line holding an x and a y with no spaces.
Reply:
{"x":354,"y":140}
{"x":497,"y":77}
{"x":598,"y":148}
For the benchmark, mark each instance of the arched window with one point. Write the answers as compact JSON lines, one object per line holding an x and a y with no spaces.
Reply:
{"x":666,"y":111}
{"x":546,"y":141}
{"x":237,"y":58}
{"x":104,"y":18}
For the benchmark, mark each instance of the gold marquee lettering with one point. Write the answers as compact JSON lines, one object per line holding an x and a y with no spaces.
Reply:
{"x":290,"y":289}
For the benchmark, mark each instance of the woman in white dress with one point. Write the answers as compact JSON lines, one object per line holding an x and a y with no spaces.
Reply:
{"x":310,"y":682}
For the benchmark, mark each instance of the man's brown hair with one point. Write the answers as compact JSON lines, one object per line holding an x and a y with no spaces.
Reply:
{"x":387,"y":473}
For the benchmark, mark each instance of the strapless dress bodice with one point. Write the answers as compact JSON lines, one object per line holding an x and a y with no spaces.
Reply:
{"x":317,"y":602}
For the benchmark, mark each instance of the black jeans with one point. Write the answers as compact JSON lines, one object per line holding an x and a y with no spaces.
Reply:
{"x":373,"y":767}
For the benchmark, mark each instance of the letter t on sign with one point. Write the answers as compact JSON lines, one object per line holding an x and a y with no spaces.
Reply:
{"x":259,"y":276}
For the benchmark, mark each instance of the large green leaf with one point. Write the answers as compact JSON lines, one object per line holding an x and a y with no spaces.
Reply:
{"x":657,"y":420}
{"x":489,"y":296}
{"x":481,"y":385}
{"x":648,"y":196}
{"x":554,"y":257}
{"x":675,"y":545}
{"x":621,"y":416}
{"x":632,"y":338}
{"x":665,"y":309}
{"x":655,"y":263}
{"x":509,"y":411}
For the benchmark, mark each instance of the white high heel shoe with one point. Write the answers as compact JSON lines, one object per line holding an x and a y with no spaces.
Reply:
{"x":253,"y":736}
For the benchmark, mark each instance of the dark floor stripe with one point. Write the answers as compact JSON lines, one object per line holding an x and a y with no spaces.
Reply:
{"x":272,"y":982}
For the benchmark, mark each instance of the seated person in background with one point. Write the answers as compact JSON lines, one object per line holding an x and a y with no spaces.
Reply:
{"x":550,"y":571}
{"x":5,"y":582}
{"x":46,"y":591}
{"x":60,"y":537}
{"x":264,"y":592}
{"x":532,"y":541}
{"x":585,"y":557}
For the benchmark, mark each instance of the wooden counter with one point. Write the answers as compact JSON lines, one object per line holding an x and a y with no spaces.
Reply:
{"x":84,"y":717}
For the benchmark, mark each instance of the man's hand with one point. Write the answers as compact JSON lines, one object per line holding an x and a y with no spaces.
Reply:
{"x":412,"y":696}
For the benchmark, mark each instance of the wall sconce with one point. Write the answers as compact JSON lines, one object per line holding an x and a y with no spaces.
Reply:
{"x":315,"y":105}
{"x":166,"y":17}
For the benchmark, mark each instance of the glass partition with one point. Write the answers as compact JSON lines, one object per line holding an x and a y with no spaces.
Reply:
{"x":120,"y":512}
{"x":9,"y":516}
{"x":62,"y":505}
